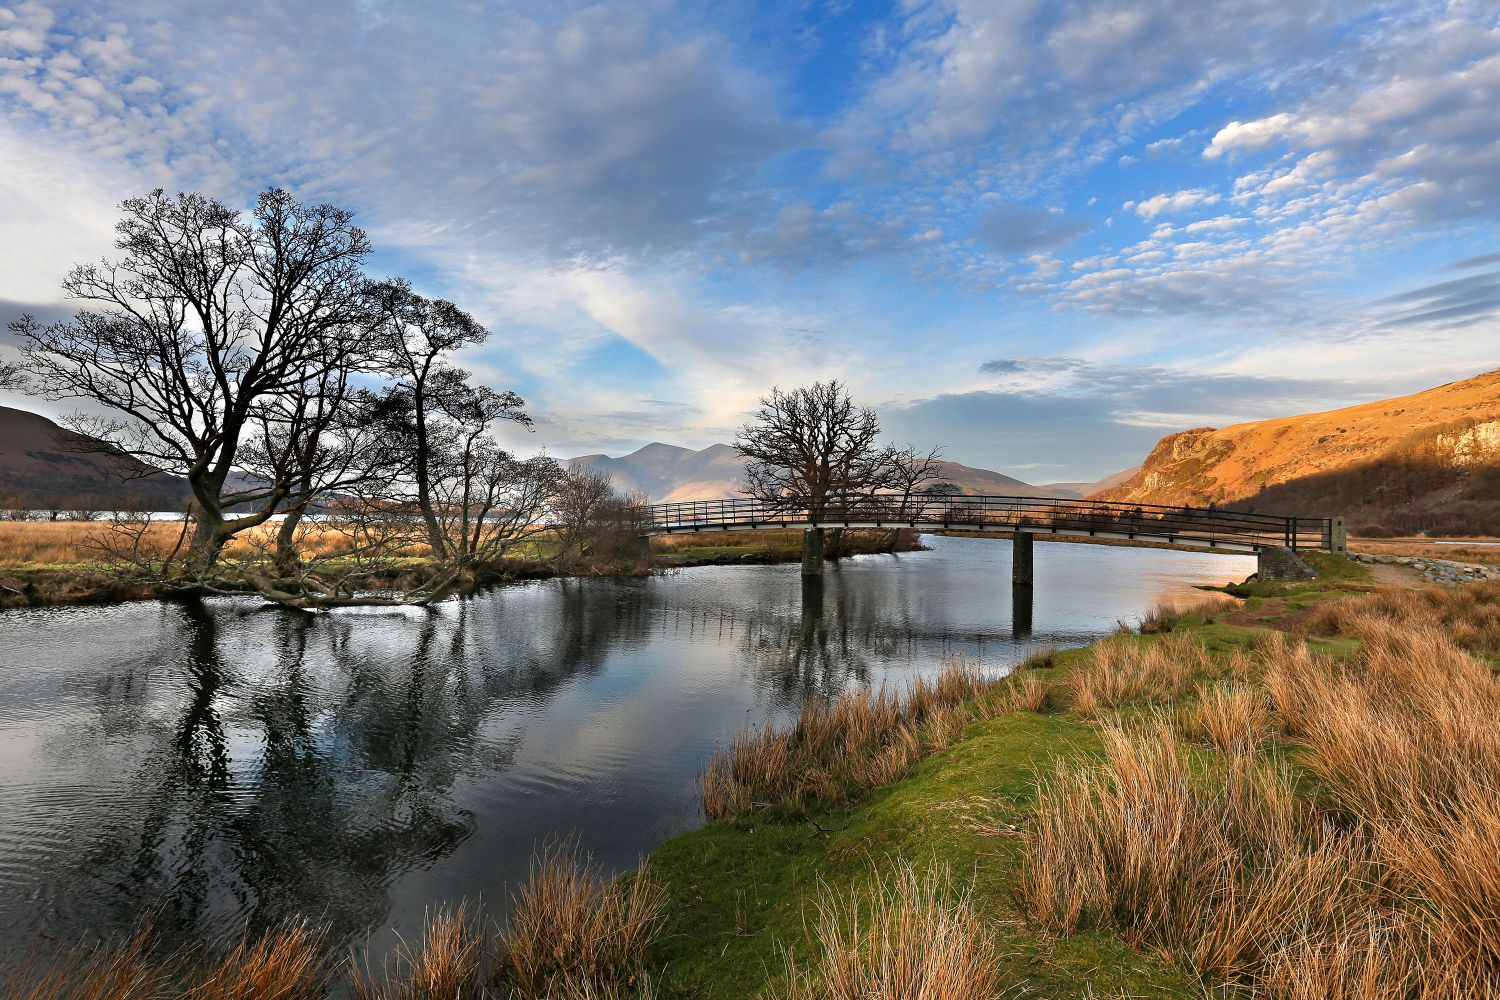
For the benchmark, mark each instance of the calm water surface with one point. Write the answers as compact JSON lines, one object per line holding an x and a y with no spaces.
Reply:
{"x":220,"y":763}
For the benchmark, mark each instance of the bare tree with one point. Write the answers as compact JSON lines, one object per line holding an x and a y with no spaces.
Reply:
{"x":914,"y":478}
{"x":204,"y":321}
{"x":418,"y":338}
{"x":581,"y":494}
{"x":594,"y":521}
{"x":812,"y":447}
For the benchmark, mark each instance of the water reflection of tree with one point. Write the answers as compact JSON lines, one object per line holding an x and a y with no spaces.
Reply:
{"x":303,"y":763}
{"x":311,"y":785}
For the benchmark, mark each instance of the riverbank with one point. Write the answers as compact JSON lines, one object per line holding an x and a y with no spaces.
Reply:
{"x":53,"y":563}
{"x":1154,"y":815}
{"x":745,"y":892}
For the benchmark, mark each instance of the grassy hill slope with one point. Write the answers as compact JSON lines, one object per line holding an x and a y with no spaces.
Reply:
{"x":1425,"y":462}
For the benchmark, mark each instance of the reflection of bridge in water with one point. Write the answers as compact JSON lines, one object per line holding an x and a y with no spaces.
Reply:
{"x":1269,"y":536}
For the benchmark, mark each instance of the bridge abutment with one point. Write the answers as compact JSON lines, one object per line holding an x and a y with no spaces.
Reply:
{"x":812,"y":552}
{"x":1021,"y":559}
{"x":1276,"y":564}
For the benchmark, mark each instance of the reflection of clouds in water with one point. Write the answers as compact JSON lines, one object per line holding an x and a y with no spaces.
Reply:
{"x":220,"y":761}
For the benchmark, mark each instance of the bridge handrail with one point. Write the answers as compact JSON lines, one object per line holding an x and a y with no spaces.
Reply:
{"x":1057,"y":513}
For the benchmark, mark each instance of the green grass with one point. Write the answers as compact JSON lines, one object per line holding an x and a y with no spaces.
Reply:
{"x":740,"y":891}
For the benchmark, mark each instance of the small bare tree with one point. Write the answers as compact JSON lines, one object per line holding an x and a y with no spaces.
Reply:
{"x":811,"y":448}
{"x":595,"y":522}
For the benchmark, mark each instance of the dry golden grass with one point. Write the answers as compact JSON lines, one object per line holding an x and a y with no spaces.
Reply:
{"x":282,"y":964}
{"x":118,"y":970}
{"x":862,"y":739}
{"x":1121,"y":671}
{"x":1216,"y":867}
{"x":575,"y":934}
{"x":444,"y":966}
{"x":1387,"y":886}
{"x":1233,"y":718}
{"x":1468,"y":615}
{"x":914,"y":938}
{"x":1427,"y":549}
{"x":66,"y":543}
{"x":1166,"y":613}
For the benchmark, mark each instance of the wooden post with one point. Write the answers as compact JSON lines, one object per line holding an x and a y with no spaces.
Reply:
{"x":1021,"y":559}
{"x":812,"y":552}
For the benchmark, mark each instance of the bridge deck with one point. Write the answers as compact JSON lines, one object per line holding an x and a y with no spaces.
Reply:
{"x":1205,"y":527}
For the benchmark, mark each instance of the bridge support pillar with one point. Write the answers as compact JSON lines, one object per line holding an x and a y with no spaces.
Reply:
{"x":1020,"y":611}
{"x":1021,"y":559}
{"x":812,"y":552}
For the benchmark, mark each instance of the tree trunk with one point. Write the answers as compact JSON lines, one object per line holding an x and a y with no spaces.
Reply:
{"x":208,"y":541}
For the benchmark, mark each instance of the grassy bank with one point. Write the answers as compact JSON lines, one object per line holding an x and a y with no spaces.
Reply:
{"x":61,"y":562}
{"x":1292,"y":795}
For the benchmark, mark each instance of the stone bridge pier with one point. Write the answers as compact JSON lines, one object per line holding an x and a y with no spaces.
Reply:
{"x":812,"y":552}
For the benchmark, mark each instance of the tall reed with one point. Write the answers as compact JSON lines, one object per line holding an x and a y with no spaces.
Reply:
{"x":862,"y":739}
{"x":914,"y":935}
{"x":576,"y":934}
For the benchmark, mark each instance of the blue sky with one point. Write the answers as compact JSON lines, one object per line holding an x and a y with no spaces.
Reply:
{"x":1040,"y":234}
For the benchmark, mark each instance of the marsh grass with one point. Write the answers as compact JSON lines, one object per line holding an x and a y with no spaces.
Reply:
{"x":913,"y":934}
{"x":862,"y":739}
{"x":1167,"y":614}
{"x":1469,"y":615}
{"x":1234,"y":718}
{"x":575,"y":934}
{"x":1123,"y":671}
{"x":444,"y":964}
{"x":1369,"y":868}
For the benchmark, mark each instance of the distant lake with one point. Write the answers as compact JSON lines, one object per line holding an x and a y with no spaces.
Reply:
{"x":221,"y":762}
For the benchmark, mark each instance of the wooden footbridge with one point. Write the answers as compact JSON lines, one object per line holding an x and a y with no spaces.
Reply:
{"x":1269,"y":536}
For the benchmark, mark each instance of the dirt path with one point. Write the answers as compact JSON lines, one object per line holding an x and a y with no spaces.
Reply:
{"x":1397,"y":575}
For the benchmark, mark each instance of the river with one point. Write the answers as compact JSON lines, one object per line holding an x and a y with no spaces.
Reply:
{"x":217,"y":763}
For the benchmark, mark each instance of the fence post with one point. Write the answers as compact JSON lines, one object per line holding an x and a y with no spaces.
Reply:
{"x":1338,"y":536}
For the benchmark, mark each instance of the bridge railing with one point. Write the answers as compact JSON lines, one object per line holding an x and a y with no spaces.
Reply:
{"x":1196,"y":525}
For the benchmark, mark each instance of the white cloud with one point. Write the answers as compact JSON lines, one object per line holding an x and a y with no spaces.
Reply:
{"x":1172,"y":203}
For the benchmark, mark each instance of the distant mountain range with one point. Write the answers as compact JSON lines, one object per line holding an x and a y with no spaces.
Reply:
{"x":1425,"y":462}
{"x":664,"y":473}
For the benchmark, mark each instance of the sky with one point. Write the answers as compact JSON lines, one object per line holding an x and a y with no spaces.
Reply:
{"x":1037,"y":234}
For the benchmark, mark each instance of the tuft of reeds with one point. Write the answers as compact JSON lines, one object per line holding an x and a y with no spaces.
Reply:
{"x":1123,"y":671}
{"x":576,"y":934}
{"x":862,"y":739}
{"x":284,"y":963}
{"x":1166,"y":614}
{"x":913,"y":936}
{"x":1234,"y":718}
{"x":444,"y":965}
{"x":1023,"y":693}
{"x":126,"y":969}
